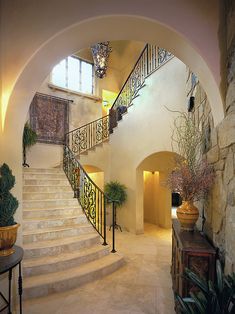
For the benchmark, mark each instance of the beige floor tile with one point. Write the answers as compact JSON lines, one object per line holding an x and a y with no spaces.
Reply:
{"x":143,"y":285}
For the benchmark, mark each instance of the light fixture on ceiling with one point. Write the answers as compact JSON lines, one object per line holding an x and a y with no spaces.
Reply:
{"x":100,"y":53}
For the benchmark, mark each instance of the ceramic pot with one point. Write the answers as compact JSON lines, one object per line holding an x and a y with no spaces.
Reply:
{"x":187,"y":214}
{"x":8,"y":237}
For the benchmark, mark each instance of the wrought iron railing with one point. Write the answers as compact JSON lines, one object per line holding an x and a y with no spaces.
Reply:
{"x":88,"y":135}
{"x":149,"y":61}
{"x":91,"y":198}
{"x":151,"y":58}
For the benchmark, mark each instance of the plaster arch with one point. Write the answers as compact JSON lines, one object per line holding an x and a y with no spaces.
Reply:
{"x":114,"y":27}
{"x":41,"y":42}
{"x":96,"y":174}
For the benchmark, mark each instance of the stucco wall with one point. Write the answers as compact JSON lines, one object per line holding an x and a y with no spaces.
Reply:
{"x":85,"y":108}
{"x":144,"y":130}
{"x":188,"y":29}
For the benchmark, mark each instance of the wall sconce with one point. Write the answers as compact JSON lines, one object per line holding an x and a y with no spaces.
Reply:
{"x":191,"y":103}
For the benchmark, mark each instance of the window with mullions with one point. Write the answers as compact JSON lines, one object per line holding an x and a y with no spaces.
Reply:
{"x":74,"y":74}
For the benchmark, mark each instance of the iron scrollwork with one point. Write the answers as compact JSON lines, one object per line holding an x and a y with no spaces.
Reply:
{"x":163,"y":55}
{"x":90,"y":197}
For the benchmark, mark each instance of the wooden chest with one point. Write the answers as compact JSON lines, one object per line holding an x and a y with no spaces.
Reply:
{"x":191,"y":250}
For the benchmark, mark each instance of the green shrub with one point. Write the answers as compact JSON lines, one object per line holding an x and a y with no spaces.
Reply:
{"x":116,"y":192}
{"x":29,"y":136}
{"x":8,"y":203}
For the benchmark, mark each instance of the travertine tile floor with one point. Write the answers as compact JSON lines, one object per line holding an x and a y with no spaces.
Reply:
{"x":143,"y":285}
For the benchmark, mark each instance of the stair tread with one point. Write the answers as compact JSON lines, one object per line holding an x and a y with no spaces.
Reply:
{"x":52,"y":208}
{"x":59,"y":242}
{"x":36,"y":192}
{"x":40,"y":169}
{"x":51,"y":179}
{"x":45,"y":260}
{"x":57,"y":228}
{"x":52,"y":218}
{"x":53,"y":278}
{"x":49,"y":199}
{"x":46,"y":186}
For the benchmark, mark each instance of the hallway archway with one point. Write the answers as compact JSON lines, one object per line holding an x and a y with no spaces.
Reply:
{"x":155,"y":199}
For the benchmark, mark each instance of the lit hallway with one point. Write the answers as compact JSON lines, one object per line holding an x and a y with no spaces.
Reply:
{"x":143,"y":285}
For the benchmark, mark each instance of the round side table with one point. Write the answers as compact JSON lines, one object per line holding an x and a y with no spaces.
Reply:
{"x":7,"y":263}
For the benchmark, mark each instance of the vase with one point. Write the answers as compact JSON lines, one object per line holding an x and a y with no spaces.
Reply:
{"x":8,"y":237}
{"x":187,"y":215}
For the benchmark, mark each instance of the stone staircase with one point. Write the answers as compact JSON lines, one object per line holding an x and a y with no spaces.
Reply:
{"x":62,"y":250}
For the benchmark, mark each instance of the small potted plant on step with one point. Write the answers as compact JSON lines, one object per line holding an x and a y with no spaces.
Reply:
{"x":8,"y":206}
{"x":29,"y":139}
{"x":116,"y":192}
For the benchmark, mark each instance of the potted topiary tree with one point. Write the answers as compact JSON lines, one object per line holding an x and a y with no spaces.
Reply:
{"x":8,"y":206}
{"x":116,"y":192}
{"x":29,"y":139}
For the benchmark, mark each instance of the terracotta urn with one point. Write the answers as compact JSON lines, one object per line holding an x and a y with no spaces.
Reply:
{"x":8,"y":237}
{"x":188,"y":215}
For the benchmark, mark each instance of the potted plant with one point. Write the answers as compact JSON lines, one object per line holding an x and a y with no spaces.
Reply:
{"x":29,"y":139}
{"x":115,"y":191}
{"x":8,"y":206}
{"x":209,"y":298}
{"x":192,"y":177}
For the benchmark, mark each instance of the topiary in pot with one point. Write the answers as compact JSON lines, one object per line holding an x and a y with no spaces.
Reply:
{"x":29,"y":139}
{"x":115,"y":191}
{"x":8,"y":206}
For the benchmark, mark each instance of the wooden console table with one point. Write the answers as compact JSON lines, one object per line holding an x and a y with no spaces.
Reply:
{"x":191,"y":250}
{"x":7,"y":263}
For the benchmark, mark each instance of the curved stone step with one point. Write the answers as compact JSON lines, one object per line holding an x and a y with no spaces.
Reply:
{"x":44,"y":176}
{"x":64,"y":261}
{"x":43,"y":285}
{"x":43,"y":170}
{"x":41,"y":223}
{"x":50,"y":203}
{"x":47,"y":195}
{"x":59,"y":232}
{"x":51,"y":212}
{"x":46,"y":188}
{"x":59,"y":182}
{"x":58,"y":246}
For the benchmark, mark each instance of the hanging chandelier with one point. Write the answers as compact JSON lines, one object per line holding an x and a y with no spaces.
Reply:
{"x":100,"y":53}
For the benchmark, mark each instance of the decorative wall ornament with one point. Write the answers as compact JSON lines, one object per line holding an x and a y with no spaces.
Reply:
{"x":49,"y":118}
{"x":100,"y":53}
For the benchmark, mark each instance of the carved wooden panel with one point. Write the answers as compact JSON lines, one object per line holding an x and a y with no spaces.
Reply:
{"x":191,"y":250}
{"x":49,"y":118}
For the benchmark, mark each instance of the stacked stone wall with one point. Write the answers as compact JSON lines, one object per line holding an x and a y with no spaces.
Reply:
{"x":220,"y":152}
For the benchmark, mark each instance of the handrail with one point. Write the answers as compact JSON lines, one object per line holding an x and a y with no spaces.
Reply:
{"x":88,"y":136}
{"x":129,"y":75}
{"x":91,"y":198}
{"x":86,"y":124}
{"x":96,"y":132}
{"x":150,"y":59}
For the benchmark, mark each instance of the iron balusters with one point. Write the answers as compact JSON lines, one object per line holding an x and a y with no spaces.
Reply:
{"x":91,"y":198}
{"x":151,"y":58}
{"x":88,"y":135}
